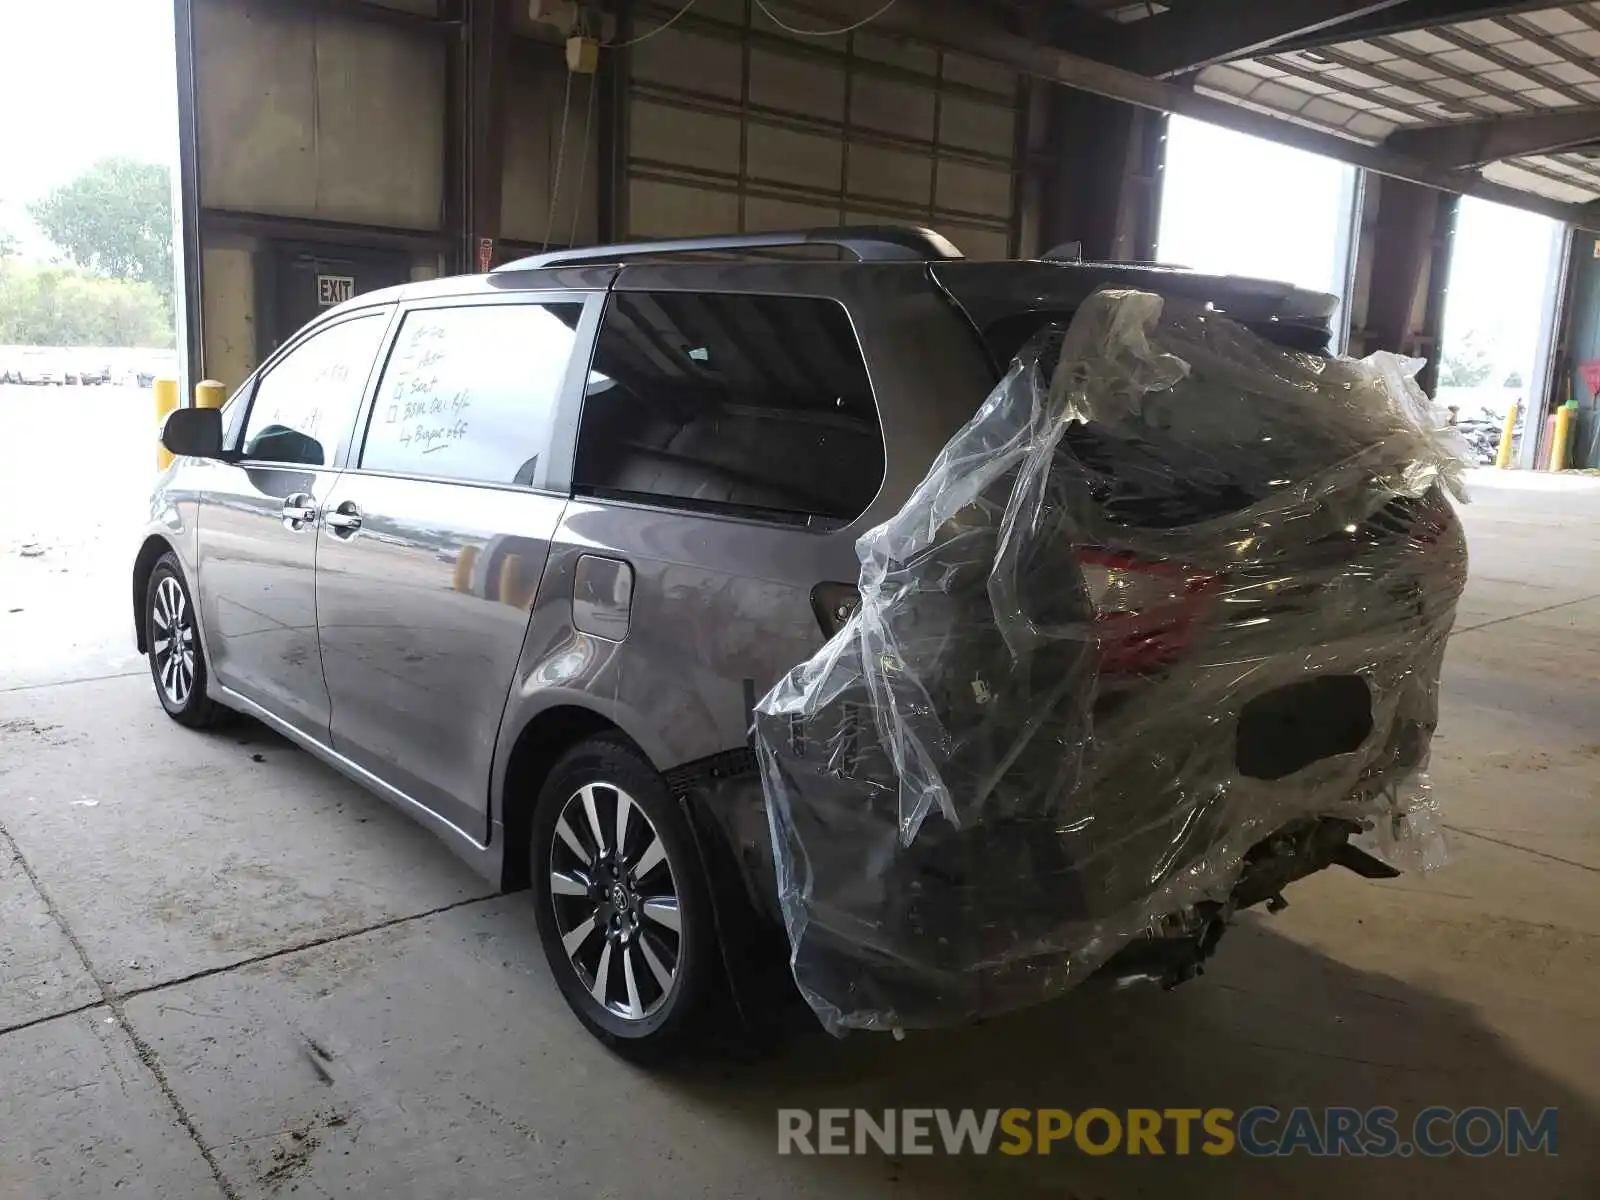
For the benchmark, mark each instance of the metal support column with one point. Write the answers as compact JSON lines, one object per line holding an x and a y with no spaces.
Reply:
{"x":1096,"y":166}
{"x":188,"y":304}
{"x":453,"y":220}
{"x":611,"y":137}
{"x":1410,"y":252}
{"x":1139,"y":206}
{"x":1034,"y":164}
{"x":488,"y":31}
{"x":1428,"y":342}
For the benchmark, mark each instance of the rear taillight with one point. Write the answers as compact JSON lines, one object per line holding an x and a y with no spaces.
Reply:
{"x":1434,"y":521}
{"x":834,"y":603}
{"x":1145,"y":612}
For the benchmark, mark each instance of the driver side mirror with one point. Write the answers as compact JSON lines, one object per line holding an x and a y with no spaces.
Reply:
{"x":193,"y":432}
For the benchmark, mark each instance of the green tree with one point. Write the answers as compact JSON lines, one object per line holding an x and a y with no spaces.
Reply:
{"x":115,"y":219}
{"x":59,"y":306}
{"x":8,"y":245}
{"x":1467,"y":363}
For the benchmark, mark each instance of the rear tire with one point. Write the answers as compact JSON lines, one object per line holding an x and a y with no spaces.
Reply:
{"x":172,"y":638}
{"x":626,"y":923}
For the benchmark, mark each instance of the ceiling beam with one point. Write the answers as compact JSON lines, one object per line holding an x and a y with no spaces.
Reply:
{"x":1473,"y":143}
{"x":1387,"y":77}
{"x":1411,"y":15}
{"x":1539,"y":71}
{"x":947,"y":23}
{"x":380,"y":14}
{"x":1192,"y":36}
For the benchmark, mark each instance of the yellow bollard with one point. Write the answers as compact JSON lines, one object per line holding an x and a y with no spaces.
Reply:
{"x":1558,"y":445}
{"x":1502,"y":456}
{"x":461,"y":576}
{"x":208,"y":393}
{"x":165,"y":392}
{"x":516,"y":581}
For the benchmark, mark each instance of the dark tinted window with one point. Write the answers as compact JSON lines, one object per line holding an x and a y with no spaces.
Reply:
{"x":752,"y":404}
{"x":468,"y":393}
{"x":305,"y":404}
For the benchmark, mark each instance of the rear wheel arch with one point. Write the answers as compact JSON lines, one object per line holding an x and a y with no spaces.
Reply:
{"x":539,"y":746}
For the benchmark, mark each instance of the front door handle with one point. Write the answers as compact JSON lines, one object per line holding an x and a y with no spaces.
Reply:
{"x":299,"y":510}
{"x":344,"y":520}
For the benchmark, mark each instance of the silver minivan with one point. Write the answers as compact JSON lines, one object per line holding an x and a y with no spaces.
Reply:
{"x":520,"y":551}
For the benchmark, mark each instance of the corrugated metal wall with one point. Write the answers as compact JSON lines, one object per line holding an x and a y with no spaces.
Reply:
{"x":317,"y":116}
{"x":311,"y":116}
{"x":538,"y":205}
{"x":338,"y":126}
{"x":734,"y":124}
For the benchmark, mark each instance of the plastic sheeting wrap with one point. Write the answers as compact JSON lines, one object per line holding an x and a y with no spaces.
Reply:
{"x":1172,"y":602}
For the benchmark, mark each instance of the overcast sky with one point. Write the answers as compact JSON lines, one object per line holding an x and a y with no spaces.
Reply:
{"x":80,"y":80}
{"x":1236,"y":204}
{"x":1499,"y":278}
{"x":1239,"y":205}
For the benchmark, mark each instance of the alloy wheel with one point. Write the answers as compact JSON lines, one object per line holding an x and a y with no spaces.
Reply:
{"x":615,"y":900}
{"x":172,"y":641}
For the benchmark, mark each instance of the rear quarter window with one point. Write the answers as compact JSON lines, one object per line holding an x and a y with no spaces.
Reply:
{"x":756,"y":406}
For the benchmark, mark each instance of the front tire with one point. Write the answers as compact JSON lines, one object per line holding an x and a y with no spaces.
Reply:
{"x":621,"y":900}
{"x":172,"y":638}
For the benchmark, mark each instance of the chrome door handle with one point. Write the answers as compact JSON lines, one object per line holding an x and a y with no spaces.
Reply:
{"x":345,"y":519}
{"x":298,"y":510}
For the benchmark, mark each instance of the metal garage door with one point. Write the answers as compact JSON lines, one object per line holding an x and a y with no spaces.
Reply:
{"x":734,"y":124}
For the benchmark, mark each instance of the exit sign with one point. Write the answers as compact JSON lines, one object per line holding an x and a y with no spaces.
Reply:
{"x":334,"y":289}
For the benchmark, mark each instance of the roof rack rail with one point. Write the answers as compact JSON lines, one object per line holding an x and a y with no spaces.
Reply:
{"x":869,"y":243}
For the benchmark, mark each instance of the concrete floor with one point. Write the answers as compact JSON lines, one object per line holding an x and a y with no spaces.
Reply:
{"x":226,"y":972}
